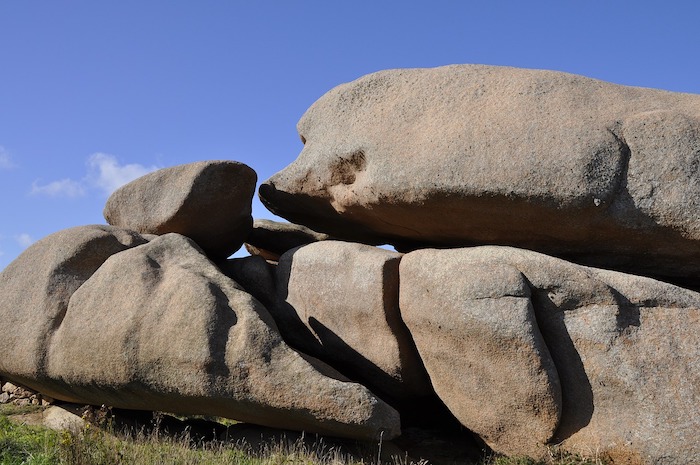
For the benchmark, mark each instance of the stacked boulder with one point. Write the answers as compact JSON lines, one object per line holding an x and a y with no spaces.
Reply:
{"x":545,"y":292}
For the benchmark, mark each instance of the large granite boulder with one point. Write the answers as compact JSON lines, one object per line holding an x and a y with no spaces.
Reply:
{"x":476,"y":331}
{"x":600,"y":173}
{"x":626,"y":350}
{"x":37,"y":286}
{"x":207,"y":201}
{"x":159,"y":327}
{"x":338,"y":301}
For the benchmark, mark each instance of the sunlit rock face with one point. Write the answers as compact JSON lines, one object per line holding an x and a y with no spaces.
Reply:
{"x":599,"y":173}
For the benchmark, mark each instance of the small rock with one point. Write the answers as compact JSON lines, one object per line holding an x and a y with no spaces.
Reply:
{"x":24,"y":393}
{"x":9,"y":387}
{"x":60,"y":419}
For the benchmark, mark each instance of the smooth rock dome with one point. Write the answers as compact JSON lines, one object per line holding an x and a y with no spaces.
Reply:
{"x":595,"y":172}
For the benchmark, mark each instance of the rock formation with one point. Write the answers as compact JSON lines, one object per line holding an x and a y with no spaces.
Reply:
{"x":495,"y":166}
{"x":476,"y":331}
{"x":37,"y":287}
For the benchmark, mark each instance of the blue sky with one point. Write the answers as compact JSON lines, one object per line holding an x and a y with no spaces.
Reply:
{"x":94,"y":93}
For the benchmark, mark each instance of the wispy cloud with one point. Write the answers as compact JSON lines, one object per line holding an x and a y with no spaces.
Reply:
{"x":103,"y":172}
{"x":24,"y":240}
{"x":62,"y":188}
{"x":5,"y":161}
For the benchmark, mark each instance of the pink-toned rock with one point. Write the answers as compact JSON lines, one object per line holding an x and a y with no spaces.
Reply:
{"x":37,"y":286}
{"x":207,"y":201}
{"x":187,"y":339}
{"x":270,"y":239}
{"x":255,"y":275}
{"x":466,"y":155}
{"x":476,"y":331}
{"x":338,"y":301}
{"x":626,"y":348}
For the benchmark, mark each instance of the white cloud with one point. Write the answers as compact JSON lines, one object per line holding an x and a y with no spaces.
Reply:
{"x":5,"y":160}
{"x":24,"y":240}
{"x":104,"y":173}
{"x":107,"y":174}
{"x":63,"y":188}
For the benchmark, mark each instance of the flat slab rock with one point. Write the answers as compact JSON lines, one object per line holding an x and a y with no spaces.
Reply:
{"x":270,"y":239}
{"x":625,"y":350}
{"x":468,"y":155}
{"x":207,"y":201}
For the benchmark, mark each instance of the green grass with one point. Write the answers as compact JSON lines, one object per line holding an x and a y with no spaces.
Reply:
{"x":27,"y":445}
{"x":556,"y":458}
{"x":24,"y":445}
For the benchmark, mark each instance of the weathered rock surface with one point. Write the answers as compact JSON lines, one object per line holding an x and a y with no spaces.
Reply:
{"x":37,"y":286}
{"x":270,"y":239}
{"x":626,"y":348}
{"x":468,"y":154}
{"x":477,"y":334}
{"x":208,"y":201}
{"x":338,"y":301}
{"x":159,"y":327}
